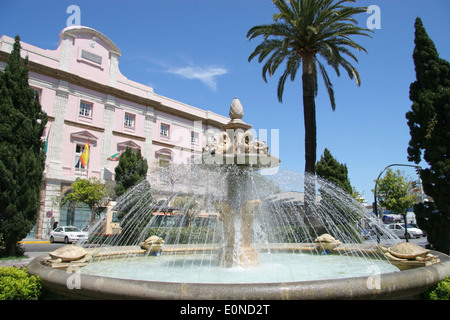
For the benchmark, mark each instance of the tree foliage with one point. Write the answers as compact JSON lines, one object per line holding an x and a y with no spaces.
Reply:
{"x":310,"y":34}
{"x":329,"y":168}
{"x":131,"y":170}
{"x":89,"y":191}
{"x":428,"y":121}
{"x":22,"y":156}
{"x":395,"y":192}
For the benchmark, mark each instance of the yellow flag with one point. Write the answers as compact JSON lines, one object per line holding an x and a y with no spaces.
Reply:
{"x":85,"y":155}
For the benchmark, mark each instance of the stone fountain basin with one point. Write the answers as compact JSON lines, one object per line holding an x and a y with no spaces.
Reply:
{"x":395,"y":285}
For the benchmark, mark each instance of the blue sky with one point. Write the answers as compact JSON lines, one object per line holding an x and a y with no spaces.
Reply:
{"x":195,"y":51}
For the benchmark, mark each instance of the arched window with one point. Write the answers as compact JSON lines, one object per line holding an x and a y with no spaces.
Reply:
{"x":79,"y":140}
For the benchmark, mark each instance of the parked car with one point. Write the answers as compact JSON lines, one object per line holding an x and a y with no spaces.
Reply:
{"x":399,"y":230}
{"x":67,"y":234}
{"x":416,"y":226}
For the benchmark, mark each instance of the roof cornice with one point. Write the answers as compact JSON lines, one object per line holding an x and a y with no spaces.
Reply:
{"x":76,"y":31}
{"x":106,"y":89}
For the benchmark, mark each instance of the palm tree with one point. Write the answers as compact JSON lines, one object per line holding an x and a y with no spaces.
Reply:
{"x":309,"y":33}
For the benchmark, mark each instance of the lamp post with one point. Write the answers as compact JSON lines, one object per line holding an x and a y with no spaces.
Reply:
{"x":375,"y":206}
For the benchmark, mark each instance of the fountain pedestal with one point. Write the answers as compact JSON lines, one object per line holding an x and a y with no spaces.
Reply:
{"x":238,"y":249}
{"x":236,"y":149}
{"x":238,"y":257}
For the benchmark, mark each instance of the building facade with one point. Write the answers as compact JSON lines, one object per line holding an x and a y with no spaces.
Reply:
{"x":88,"y":100}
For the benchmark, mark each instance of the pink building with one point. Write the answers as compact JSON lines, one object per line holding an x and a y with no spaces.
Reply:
{"x":88,"y":99}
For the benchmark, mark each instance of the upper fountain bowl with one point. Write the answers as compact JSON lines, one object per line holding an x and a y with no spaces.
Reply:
{"x":236,"y":146}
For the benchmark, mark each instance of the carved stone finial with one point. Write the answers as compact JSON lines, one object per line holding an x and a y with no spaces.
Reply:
{"x":236,"y":109}
{"x":236,"y":114}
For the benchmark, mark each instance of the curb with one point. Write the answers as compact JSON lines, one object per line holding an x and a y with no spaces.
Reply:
{"x":33,"y":241}
{"x":24,"y":241}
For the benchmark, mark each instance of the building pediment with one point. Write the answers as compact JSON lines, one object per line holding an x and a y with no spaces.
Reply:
{"x":83,"y":136}
{"x":80,"y":31}
{"x":128,"y":144}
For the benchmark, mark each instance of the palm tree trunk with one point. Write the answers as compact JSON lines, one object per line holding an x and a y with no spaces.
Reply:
{"x":309,"y":112}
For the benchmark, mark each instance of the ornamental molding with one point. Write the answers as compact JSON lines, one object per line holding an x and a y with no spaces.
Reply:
{"x":83,"y":136}
{"x":128,"y":144}
{"x":83,"y":126}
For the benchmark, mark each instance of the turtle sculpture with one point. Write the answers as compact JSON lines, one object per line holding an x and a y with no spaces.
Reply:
{"x":68,"y":256}
{"x":152,"y":244}
{"x":407,"y":255}
{"x":326,"y":242}
{"x":69,"y":253}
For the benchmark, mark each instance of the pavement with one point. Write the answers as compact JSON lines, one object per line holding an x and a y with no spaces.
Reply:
{"x":19,"y":263}
{"x":29,"y":256}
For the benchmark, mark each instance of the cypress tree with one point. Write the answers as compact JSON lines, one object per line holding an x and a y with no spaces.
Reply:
{"x":131,"y":170}
{"x":22,"y":157}
{"x":329,"y":168}
{"x":429,"y":126}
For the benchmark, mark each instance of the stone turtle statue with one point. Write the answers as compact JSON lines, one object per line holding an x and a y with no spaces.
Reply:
{"x":152,"y":244}
{"x":408,"y":255}
{"x":327,"y":242}
{"x":69,"y":253}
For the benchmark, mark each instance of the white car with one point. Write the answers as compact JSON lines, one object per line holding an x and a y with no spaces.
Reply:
{"x":67,"y":234}
{"x":399,"y":230}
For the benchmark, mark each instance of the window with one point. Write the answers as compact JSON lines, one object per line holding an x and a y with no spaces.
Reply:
{"x":164,"y":130}
{"x":37,"y":92}
{"x":164,"y":168}
{"x":129,"y":120}
{"x":164,"y":157}
{"x":78,"y":152}
{"x":85,"y":109}
{"x":194,"y":137}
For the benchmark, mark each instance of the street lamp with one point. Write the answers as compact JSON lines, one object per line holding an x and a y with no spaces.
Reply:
{"x":375,"y":205}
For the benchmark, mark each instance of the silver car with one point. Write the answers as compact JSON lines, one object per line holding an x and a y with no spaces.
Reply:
{"x":399,"y":230}
{"x":67,"y":234}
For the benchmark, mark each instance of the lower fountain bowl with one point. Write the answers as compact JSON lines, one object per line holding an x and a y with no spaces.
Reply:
{"x":391,"y":285}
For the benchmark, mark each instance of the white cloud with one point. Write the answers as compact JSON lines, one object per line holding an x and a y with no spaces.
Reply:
{"x":206,"y":75}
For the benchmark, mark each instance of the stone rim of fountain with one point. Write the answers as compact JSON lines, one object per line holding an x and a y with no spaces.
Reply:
{"x":395,"y":285}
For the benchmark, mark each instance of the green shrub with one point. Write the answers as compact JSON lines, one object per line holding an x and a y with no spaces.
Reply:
{"x":16,"y":284}
{"x":439,"y":292}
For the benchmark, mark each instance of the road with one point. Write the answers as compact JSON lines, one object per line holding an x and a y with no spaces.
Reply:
{"x":422,"y":241}
{"x":41,"y":247}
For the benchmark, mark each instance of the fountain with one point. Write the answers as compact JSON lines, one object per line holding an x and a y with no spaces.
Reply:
{"x":264,"y":246}
{"x":237,"y":150}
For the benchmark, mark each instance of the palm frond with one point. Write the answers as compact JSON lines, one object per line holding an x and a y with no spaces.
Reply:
{"x":293,"y":63}
{"x":318,"y":28}
{"x":328,"y":84}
